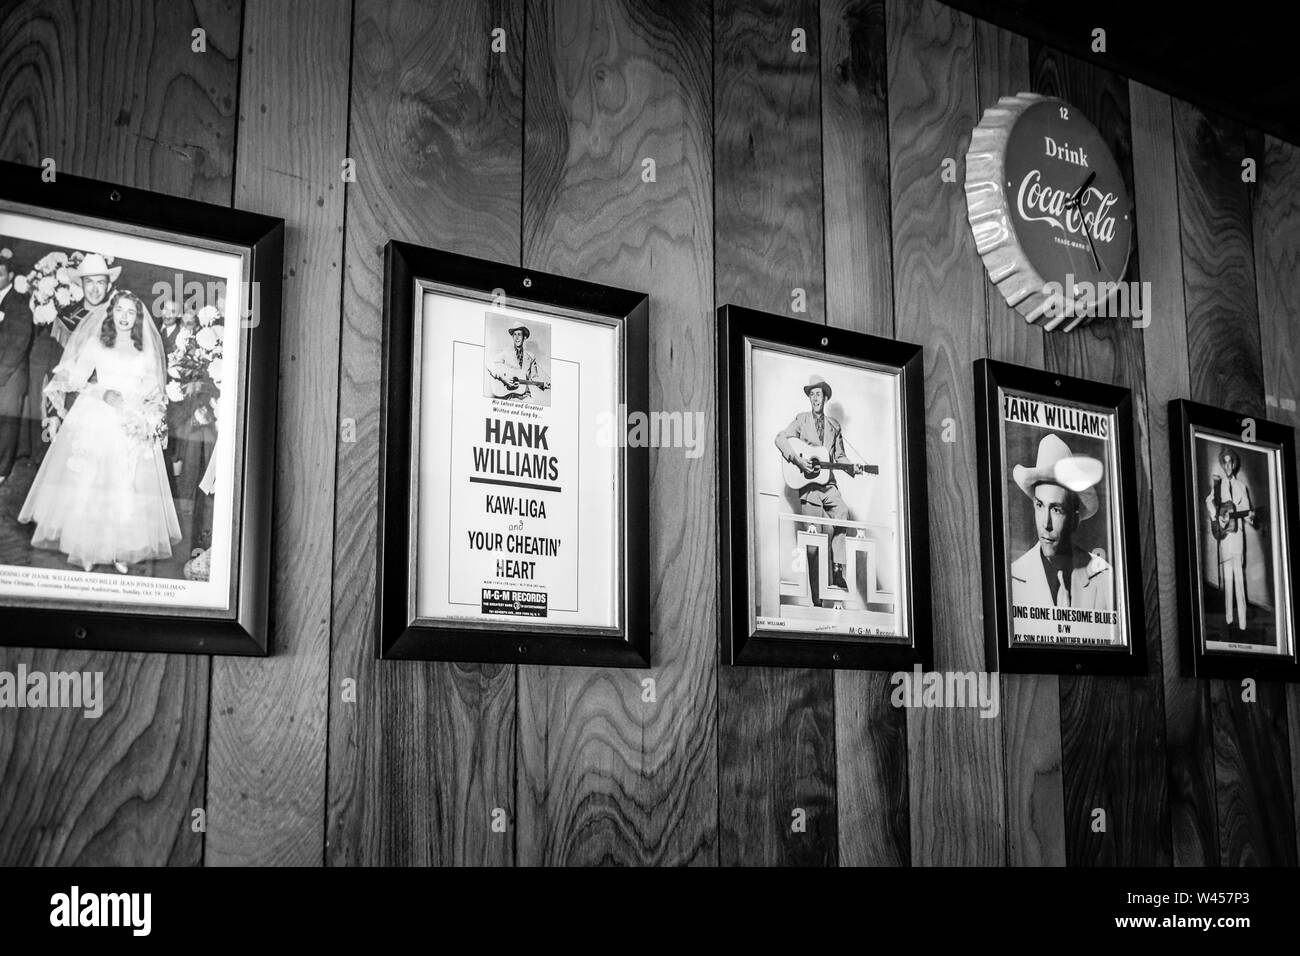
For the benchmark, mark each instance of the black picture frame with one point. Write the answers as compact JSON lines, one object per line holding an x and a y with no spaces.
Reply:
{"x":742,"y":641}
{"x":399,"y":635}
{"x":1000,"y":653}
{"x":244,"y":628}
{"x":1189,"y":521}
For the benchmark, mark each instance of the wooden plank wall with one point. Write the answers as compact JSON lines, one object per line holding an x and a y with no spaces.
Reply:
{"x":799,"y":150}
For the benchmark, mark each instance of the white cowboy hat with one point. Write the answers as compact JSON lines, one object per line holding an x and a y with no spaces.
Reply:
{"x":519,"y":328}
{"x":1056,"y":465}
{"x":94,"y":265}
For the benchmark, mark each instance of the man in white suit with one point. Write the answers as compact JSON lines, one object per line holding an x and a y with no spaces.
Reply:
{"x":1054,"y":572}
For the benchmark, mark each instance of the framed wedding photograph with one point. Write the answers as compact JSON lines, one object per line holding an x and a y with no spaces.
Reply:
{"x":513,"y":503}
{"x":1234,"y":501}
{"x":1059,"y":523}
{"x":824,"y":537}
{"x":139,"y":347}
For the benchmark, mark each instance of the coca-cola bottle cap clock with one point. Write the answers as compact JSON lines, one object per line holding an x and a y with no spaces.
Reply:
{"x":1049,"y":209}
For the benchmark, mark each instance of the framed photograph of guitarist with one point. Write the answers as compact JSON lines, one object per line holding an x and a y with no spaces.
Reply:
{"x":1059,"y":526}
{"x":825,"y":558}
{"x":1235,"y":507}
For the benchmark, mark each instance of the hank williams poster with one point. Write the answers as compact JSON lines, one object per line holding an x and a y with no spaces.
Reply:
{"x":1060,"y":502}
{"x":516,"y":508}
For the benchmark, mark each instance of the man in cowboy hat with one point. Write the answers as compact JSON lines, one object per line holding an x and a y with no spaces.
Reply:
{"x":1054,"y":572}
{"x":515,"y":365}
{"x":96,"y":278}
{"x":1230,"y":506}
{"x":816,"y":428}
{"x":16,"y":330}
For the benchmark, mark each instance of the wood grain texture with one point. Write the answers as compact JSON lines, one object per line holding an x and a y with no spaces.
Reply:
{"x":268,"y":721}
{"x":115,"y":93}
{"x":776,"y":726}
{"x":870,"y":733}
{"x":420,"y":761}
{"x":954,"y":756}
{"x":1112,"y":731}
{"x":1275,"y":214}
{"x":1226,"y":367}
{"x":1031,"y":727}
{"x":1188,"y":732}
{"x":603,"y":776}
{"x":855,"y":166}
{"x":607,"y":89}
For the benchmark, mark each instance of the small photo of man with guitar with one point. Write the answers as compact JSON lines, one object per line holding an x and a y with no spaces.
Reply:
{"x":517,"y":360}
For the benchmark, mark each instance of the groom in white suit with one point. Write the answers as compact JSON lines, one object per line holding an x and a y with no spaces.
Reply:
{"x":1055,"y":572}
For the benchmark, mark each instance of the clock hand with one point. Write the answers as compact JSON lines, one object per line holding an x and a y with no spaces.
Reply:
{"x":1077,"y":202}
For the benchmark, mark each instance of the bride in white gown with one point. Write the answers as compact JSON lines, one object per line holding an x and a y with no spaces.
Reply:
{"x":101,"y":495}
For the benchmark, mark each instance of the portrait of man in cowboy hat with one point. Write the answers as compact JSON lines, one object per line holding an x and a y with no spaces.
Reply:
{"x":518,"y":372}
{"x":96,"y":279}
{"x":817,"y":429}
{"x":1055,"y":572}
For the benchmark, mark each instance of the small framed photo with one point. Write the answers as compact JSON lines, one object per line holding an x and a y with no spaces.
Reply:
{"x":1235,"y":530}
{"x":824,"y":538}
{"x":1058,"y":513}
{"x":514,"y":511}
{"x":139,"y":349}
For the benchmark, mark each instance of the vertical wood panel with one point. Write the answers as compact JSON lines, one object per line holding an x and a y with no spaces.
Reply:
{"x":1031,"y":705}
{"x":954,"y":755}
{"x":115,"y":93}
{"x":870,"y":733}
{"x":420,"y":761}
{"x":1251,"y":746}
{"x":776,"y":726}
{"x":604,"y":776}
{"x":1189,"y":741}
{"x":268,"y":722}
{"x":1112,"y":729}
{"x":1275,"y":209}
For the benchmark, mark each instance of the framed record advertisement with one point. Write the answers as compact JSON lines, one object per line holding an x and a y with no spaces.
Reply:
{"x":139,"y":344}
{"x":824,"y":541}
{"x":1058,"y":511}
{"x":514,"y":522}
{"x":1235,"y":529}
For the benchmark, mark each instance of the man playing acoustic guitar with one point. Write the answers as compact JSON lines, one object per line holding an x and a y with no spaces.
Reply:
{"x":517,"y":370}
{"x":814,"y":443}
{"x":1230,"y":506}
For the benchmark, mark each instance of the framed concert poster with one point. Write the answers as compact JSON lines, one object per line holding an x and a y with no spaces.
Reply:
{"x":824,"y":539}
{"x":1234,"y":517}
{"x":1058,"y":513}
{"x":514,"y":509}
{"x":139,"y":348}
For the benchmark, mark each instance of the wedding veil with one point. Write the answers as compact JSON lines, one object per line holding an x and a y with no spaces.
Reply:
{"x":85,"y":338}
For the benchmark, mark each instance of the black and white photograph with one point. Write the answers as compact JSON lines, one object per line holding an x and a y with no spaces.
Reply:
{"x":520,"y":510}
{"x":116,"y":350}
{"x":1059,"y":553}
{"x":826,"y":524}
{"x":1235,"y":519}
{"x":124,"y":386}
{"x":823,"y":462}
{"x":517,"y":359}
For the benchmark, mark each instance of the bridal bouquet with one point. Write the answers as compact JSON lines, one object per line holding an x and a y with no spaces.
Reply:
{"x":146,"y":424}
{"x":194,"y":369}
{"x":50,"y":286}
